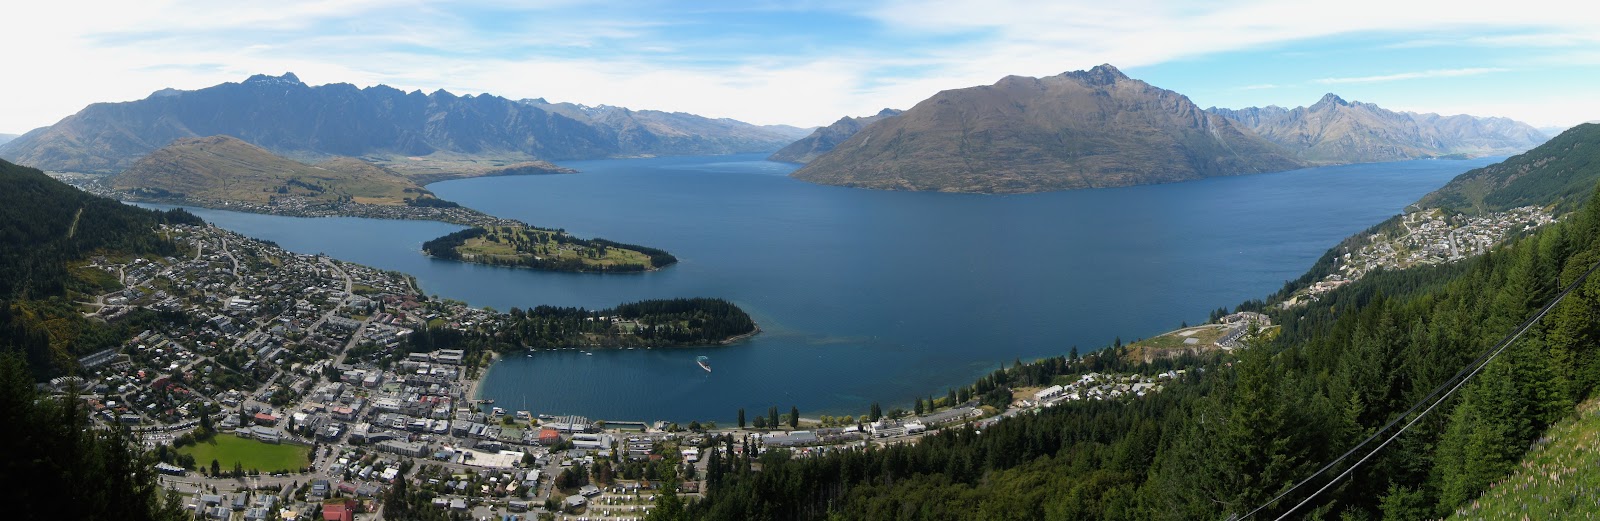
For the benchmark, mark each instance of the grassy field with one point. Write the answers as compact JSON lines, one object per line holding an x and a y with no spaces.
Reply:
{"x":1560,"y":479}
{"x":520,"y":244}
{"x":252,"y":454}
{"x":1172,"y":344}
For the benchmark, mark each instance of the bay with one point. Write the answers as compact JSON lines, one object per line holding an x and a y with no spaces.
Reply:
{"x":867,"y":295}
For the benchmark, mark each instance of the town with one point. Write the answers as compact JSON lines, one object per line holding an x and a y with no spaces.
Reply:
{"x":277,"y":385}
{"x":1423,"y":238}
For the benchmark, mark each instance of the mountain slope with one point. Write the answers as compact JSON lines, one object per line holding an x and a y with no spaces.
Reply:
{"x":228,"y":169}
{"x":6,"y":138}
{"x":380,"y":123}
{"x":826,"y":138}
{"x":1084,"y":129}
{"x":1560,"y":172}
{"x":44,"y":223}
{"x":1334,"y":131}
{"x":654,"y":132}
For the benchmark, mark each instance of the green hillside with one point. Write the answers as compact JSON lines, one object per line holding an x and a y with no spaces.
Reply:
{"x":1556,"y":480}
{"x":44,"y":226}
{"x":45,"y":223}
{"x":1560,"y":172}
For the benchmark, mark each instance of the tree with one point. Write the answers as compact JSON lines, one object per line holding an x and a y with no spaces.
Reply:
{"x":216,"y":468}
{"x":669,"y":507}
{"x":794,"y":417}
{"x":772,"y":417}
{"x":741,"y":417}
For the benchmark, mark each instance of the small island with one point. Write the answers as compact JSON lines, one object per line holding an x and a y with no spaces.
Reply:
{"x":544,"y":249}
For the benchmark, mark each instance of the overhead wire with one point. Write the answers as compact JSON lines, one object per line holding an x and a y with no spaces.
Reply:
{"x":1459,"y":379}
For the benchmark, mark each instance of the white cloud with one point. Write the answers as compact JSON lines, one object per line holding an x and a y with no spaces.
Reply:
{"x":608,"y":54}
{"x":1438,"y":73}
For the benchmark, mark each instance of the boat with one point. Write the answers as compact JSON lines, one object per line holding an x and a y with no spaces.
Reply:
{"x":705,"y":363}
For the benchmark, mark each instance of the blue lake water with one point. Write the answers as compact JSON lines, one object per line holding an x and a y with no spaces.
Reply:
{"x":867,"y":295}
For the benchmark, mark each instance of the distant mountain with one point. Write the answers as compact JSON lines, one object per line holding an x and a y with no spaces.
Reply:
{"x":6,"y":138}
{"x":1562,"y":173}
{"x":1335,"y":131}
{"x":1082,"y":129}
{"x":409,"y":131}
{"x":224,"y":168}
{"x":824,"y":139}
{"x":653,"y":132}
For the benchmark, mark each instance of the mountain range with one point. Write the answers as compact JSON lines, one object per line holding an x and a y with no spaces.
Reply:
{"x":654,"y":132}
{"x":824,"y":139}
{"x":407,"y":131}
{"x":1335,"y":131}
{"x":1081,"y":129}
{"x":1100,"y":128}
{"x":6,"y":138}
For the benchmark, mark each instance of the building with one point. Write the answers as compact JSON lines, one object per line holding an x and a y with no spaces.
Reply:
{"x":341,"y":510}
{"x":404,"y":448}
{"x":792,"y":439}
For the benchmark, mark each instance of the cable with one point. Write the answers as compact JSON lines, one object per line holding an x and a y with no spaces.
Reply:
{"x":1471,"y":370}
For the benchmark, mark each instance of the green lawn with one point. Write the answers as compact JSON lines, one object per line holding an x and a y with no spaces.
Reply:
{"x":252,"y":454}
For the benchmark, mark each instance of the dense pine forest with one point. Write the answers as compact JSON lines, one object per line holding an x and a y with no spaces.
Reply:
{"x":1233,"y":435}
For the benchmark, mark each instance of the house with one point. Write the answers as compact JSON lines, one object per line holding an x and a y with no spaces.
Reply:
{"x":792,"y":439}
{"x":575,"y":501}
{"x":262,"y":418}
{"x":589,"y":491}
{"x":339,"y":510}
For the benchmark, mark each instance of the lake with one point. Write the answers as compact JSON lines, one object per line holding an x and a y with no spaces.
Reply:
{"x":867,"y":295}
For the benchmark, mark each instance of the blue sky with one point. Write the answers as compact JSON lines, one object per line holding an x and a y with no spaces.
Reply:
{"x":809,"y":62}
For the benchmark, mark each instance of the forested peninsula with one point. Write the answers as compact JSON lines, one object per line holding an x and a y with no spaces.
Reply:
{"x":545,"y":249}
{"x":682,"y":322}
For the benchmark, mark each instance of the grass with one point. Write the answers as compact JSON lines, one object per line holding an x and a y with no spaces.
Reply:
{"x":498,"y":245}
{"x":251,"y":454}
{"x":1560,"y":479}
{"x":1206,"y":334}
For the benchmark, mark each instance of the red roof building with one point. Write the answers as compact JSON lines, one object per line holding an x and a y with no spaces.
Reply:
{"x":266,"y":419}
{"x":344,"y":511}
{"x":549,"y":436}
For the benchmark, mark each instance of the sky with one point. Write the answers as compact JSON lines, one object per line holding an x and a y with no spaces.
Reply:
{"x":807,"y":63}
